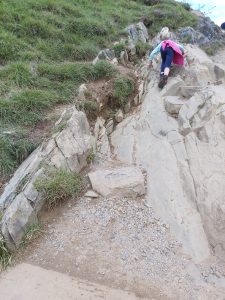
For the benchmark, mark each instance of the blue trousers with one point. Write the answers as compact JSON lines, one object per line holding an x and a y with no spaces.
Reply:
{"x":167,"y":58}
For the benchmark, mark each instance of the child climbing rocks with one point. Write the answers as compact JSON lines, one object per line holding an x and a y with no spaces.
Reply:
{"x":171,"y":52}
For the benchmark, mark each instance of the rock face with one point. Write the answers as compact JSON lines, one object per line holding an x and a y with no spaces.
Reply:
{"x":122,"y":181}
{"x":184,"y":156}
{"x":138,"y":32}
{"x":205,"y":34}
{"x":20,"y":200}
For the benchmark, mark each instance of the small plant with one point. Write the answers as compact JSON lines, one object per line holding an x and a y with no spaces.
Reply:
{"x":89,"y":107}
{"x":118,"y":48}
{"x":22,"y":184}
{"x":91,"y":156}
{"x":213,"y":48}
{"x":60,"y":127}
{"x":123,"y":88}
{"x":141,"y":49}
{"x":5,"y":255}
{"x":58,"y":186}
{"x":31,"y":233}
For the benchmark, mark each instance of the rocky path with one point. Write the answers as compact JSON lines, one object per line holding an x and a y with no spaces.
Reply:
{"x":119,"y":243}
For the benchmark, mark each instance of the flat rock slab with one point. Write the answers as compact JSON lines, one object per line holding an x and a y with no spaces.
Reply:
{"x":123,"y":181}
{"x":173,"y":104}
{"x":26,"y":282}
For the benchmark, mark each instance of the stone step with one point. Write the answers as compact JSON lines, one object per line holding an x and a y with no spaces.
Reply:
{"x":26,"y":282}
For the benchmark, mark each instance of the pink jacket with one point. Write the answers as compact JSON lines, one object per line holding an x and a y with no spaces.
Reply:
{"x":178,"y":58}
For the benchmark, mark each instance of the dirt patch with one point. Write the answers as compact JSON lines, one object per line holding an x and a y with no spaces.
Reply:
{"x":101,"y":92}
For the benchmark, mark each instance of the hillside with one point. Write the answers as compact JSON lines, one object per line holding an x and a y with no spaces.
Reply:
{"x":46,"y":48}
{"x":123,"y":196}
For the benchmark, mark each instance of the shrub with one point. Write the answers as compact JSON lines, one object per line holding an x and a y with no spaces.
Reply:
{"x":58,"y":186}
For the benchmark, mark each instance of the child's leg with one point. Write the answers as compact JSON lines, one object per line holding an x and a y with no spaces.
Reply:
{"x":163,"y":56}
{"x":168,"y":61}
{"x":166,"y":64}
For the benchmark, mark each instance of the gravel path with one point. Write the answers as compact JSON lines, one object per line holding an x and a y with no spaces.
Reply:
{"x":120,"y":243}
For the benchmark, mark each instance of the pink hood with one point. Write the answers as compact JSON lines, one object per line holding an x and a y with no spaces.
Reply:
{"x":178,"y":58}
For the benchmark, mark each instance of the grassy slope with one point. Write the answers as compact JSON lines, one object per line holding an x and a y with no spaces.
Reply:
{"x":42,"y":46}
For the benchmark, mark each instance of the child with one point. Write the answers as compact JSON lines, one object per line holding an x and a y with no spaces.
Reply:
{"x":170,"y":52}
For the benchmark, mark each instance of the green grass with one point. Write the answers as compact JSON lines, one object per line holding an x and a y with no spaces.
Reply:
{"x":58,"y":186}
{"x":32,"y":232}
{"x":213,"y":48}
{"x":44,"y":49}
{"x":5,"y":255}
{"x":123,"y":87}
{"x":13,"y":151}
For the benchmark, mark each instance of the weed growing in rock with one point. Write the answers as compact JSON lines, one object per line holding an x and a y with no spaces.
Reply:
{"x":91,"y":156}
{"x":58,"y":186}
{"x":213,"y":48}
{"x":90,"y":107}
{"x":5,"y":255}
{"x":32,"y":232}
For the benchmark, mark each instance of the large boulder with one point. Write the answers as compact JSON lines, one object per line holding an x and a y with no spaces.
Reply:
{"x":119,"y":181}
{"x":138,"y":32}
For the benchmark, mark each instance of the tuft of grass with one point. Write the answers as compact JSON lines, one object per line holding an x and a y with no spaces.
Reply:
{"x":79,"y":73}
{"x":18,"y":74}
{"x":13,"y":150}
{"x":60,"y":127}
{"x":58,"y":186}
{"x":27,"y":107}
{"x":32,"y":232}
{"x":118,"y":48}
{"x":9,"y":46}
{"x":5,"y":255}
{"x":212,"y":48}
{"x":90,"y":107}
{"x":123,"y":87}
{"x":141,"y":49}
{"x":91,"y":156}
